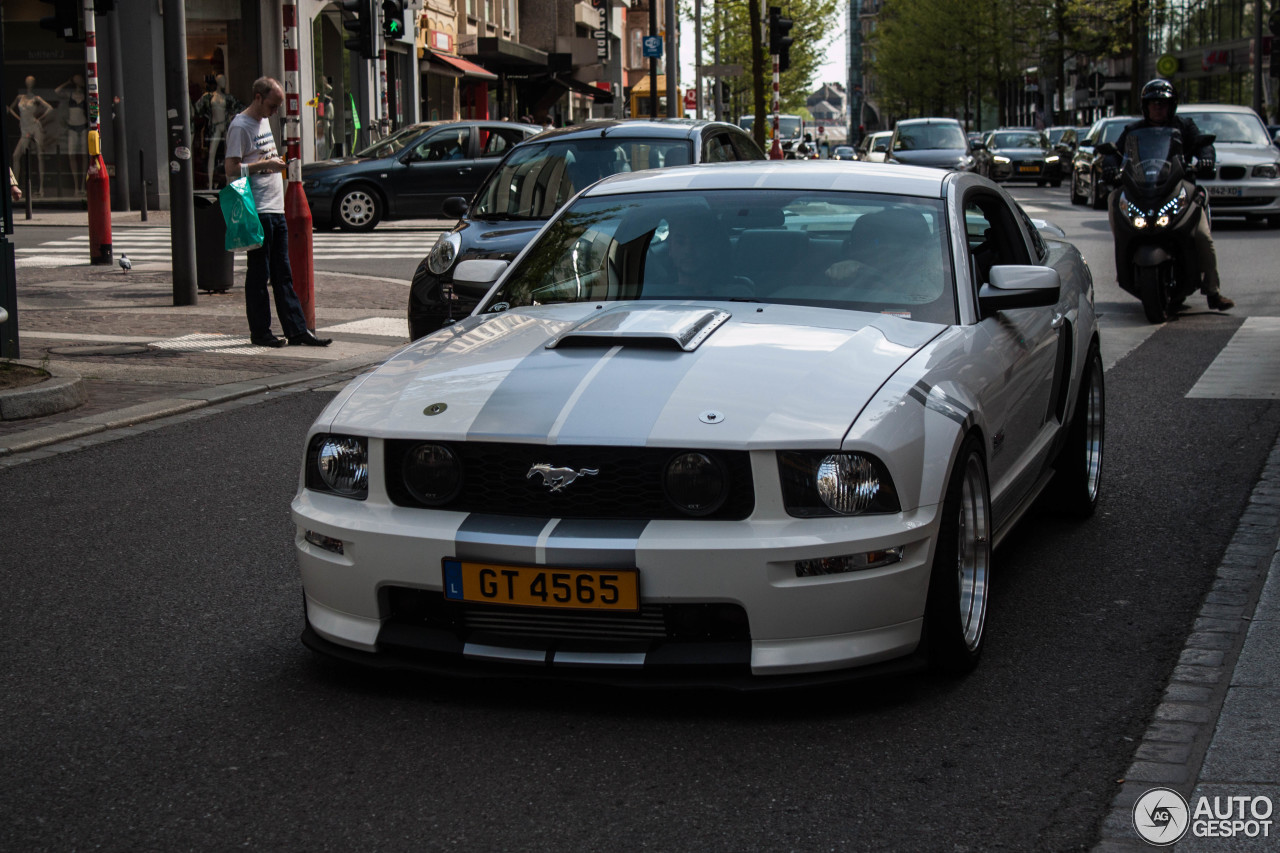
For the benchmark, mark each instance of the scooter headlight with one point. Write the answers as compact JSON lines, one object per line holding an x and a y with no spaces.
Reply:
{"x":1139,"y":222}
{"x":1172,"y":208}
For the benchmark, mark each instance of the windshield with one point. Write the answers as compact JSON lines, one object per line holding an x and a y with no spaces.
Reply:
{"x":1020,"y":139}
{"x":1230,"y":128}
{"x":535,"y":180}
{"x":1150,"y":163}
{"x":1111,"y":131}
{"x":394,"y":143}
{"x":854,"y":251}
{"x":788,"y":126}
{"x":918,"y":137}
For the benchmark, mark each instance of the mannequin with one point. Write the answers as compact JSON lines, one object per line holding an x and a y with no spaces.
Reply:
{"x":77,"y":129}
{"x":217,"y":108}
{"x":29,"y":109}
{"x":324,"y":120}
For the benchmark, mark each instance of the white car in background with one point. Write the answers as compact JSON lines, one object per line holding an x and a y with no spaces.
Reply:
{"x":742,"y":423}
{"x":1247,"y":179}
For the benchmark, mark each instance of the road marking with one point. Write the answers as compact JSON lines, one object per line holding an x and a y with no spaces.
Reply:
{"x":1248,"y":367}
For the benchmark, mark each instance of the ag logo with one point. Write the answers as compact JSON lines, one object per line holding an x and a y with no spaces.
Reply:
{"x":1161,"y":816}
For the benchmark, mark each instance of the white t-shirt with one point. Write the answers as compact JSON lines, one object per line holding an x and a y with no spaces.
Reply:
{"x":250,"y":140}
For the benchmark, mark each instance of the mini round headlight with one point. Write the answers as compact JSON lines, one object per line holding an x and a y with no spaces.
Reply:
{"x":696,"y":483}
{"x":432,"y":473}
{"x":343,"y":465}
{"x":847,"y":483}
{"x":443,"y":253}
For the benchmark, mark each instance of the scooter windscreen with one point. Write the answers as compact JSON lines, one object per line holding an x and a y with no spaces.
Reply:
{"x":1153,"y":160}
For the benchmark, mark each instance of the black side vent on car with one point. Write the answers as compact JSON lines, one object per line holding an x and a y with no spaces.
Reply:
{"x":623,"y":483}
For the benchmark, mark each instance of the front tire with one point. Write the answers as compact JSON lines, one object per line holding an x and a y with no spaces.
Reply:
{"x":1077,"y":481}
{"x":1097,"y":201}
{"x":1076,"y":198}
{"x":358,"y":209}
{"x":959,"y":582}
{"x":1151,"y":293}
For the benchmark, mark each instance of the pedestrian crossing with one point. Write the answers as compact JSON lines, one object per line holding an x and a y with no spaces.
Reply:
{"x":152,"y":245}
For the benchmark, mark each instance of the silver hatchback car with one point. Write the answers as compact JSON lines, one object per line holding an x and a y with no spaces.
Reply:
{"x":1247,"y":179}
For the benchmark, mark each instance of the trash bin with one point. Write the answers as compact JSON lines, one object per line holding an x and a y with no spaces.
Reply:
{"x":214,"y":272}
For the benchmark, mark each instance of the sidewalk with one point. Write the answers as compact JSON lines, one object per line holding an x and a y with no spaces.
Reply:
{"x":142,"y":359}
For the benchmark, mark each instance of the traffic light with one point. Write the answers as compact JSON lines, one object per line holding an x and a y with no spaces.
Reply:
{"x":779,"y":41}
{"x":357,"y":19}
{"x":393,"y":19}
{"x":67,"y":19}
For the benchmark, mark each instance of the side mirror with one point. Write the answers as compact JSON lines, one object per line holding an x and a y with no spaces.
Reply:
{"x":473,"y":278}
{"x":455,"y":207}
{"x":1107,"y":149}
{"x":978,"y":146}
{"x":1017,"y":286}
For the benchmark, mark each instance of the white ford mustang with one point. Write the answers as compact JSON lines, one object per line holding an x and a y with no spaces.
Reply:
{"x":739,"y":424}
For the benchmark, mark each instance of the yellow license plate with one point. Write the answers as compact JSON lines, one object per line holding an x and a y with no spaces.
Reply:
{"x":542,"y":586}
{"x":1028,"y":168}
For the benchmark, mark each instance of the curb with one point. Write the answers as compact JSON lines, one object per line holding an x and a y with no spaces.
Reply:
{"x":1172,"y":752}
{"x":63,"y":390}
{"x":70,"y":431}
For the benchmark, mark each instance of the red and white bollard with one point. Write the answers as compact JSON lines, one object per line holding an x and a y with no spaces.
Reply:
{"x":297,"y":213}
{"x":97,"y":183}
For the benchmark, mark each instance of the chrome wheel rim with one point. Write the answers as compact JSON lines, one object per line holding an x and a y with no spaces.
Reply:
{"x":973,"y":560}
{"x":357,"y":208}
{"x":1093,"y":431}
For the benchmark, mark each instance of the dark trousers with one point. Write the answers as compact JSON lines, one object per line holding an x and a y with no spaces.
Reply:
{"x":270,"y":263}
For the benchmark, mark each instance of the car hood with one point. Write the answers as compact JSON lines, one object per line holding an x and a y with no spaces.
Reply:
{"x":945,"y":158}
{"x":713,"y":374}
{"x":1242,"y":153}
{"x":496,"y":239}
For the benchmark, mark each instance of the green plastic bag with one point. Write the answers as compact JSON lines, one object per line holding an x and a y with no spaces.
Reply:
{"x":244,"y":228}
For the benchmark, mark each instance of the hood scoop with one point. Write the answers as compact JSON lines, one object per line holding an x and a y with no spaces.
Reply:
{"x":681,"y":327}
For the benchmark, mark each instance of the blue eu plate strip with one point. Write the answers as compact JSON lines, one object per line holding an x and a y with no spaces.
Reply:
{"x":453,"y":580}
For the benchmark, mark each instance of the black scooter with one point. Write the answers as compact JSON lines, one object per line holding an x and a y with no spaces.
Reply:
{"x":1159,"y":209}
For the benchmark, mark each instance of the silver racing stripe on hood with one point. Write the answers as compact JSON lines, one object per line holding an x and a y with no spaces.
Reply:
{"x":935,"y":399}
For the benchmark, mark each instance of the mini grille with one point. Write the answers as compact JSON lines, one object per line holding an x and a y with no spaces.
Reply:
{"x":1231,"y":173}
{"x":496,"y":480}
{"x":683,"y":622}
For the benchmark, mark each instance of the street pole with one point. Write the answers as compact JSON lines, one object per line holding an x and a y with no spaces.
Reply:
{"x":1257,"y":60}
{"x":182,"y":223}
{"x":674,"y":103}
{"x":697,"y":52}
{"x":8,"y":271}
{"x":715,"y":27}
{"x":118,"y":113}
{"x":297,"y":213}
{"x":97,"y":184}
{"x":653,"y":61}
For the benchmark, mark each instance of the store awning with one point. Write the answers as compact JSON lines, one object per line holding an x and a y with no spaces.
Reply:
{"x":601,"y":96}
{"x":508,"y":56}
{"x":642,"y":88}
{"x":459,"y":66}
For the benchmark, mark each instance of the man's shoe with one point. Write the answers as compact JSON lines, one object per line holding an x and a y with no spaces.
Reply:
{"x":1218,"y":302}
{"x":268,"y":341}
{"x":307,"y":339}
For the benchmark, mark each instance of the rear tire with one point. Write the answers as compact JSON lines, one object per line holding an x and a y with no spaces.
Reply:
{"x":1151,"y":293}
{"x":358,"y":209}
{"x":1077,"y":482}
{"x":959,"y":582}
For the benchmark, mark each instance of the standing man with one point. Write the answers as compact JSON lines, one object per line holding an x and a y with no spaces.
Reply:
{"x":251,"y":150}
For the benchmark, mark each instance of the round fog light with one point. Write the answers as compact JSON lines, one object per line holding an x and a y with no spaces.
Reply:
{"x":432,"y":474}
{"x":696,"y":483}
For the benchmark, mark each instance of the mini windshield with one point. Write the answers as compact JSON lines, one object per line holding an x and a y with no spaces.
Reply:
{"x":853,"y":251}
{"x":1152,"y":157}
{"x":392,"y":144}
{"x":536,"y":180}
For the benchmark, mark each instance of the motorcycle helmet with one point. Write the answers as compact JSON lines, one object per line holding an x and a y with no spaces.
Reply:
{"x":1159,"y":90}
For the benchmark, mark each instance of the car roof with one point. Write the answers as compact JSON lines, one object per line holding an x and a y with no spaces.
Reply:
{"x":677,"y":128}
{"x":1218,"y":108}
{"x":928,"y":121}
{"x":845,"y":176}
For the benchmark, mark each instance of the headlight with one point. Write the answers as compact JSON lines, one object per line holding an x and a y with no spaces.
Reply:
{"x":696,"y":483}
{"x":826,"y":484}
{"x":432,"y":474}
{"x":1052,"y":158}
{"x":443,"y":253}
{"x":1266,"y":170}
{"x":339,"y":464}
{"x":1003,"y":161}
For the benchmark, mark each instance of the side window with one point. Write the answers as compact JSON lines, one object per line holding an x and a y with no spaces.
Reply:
{"x":993,"y":236}
{"x":745,"y":146}
{"x":718,"y":149}
{"x":496,"y":141}
{"x":1038,"y":244}
{"x":450,"y":145}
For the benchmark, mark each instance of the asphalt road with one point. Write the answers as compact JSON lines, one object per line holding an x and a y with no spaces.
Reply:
{"x":156,"y":696}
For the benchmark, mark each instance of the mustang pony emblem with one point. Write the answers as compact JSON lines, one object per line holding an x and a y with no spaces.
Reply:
{"x":557,"y":478}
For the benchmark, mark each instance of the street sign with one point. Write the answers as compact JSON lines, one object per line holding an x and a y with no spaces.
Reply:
{"x":652,"y":47}
{"x":691,"y":100}
{"x":721,"y":70}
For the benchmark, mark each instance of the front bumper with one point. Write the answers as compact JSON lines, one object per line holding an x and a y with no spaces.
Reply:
{"x":1244,"y":197}
{"x":791,"y":625}
{"x":1026,"y":171}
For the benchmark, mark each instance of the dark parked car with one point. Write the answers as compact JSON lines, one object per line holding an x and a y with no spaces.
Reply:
{"x":409,"y":173}
{"x":1065,"y":140}
{"x":1019,"y":155}
{"x":843,"y":152}
{"x":1087,"y":184}
{"x":936,"y":142}
{"x":534,"y":181}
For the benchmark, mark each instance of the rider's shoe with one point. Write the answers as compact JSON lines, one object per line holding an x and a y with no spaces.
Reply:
{"x":1218,"y":302}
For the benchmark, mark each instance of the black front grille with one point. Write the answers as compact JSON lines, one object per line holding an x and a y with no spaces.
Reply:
{"x":697,"y":623}
{"x":496,"y":479}
{"x":1232,"y":173}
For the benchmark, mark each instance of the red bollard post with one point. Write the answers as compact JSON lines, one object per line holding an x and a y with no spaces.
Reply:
{"x":775,"y":150}
{"x":297,"y":216}
{"x":98,"y":186}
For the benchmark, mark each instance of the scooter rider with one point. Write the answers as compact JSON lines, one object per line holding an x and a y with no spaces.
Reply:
{"x":1159,"y":109}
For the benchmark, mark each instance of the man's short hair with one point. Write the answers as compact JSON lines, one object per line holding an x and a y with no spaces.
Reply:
{"x":264,"y":85}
